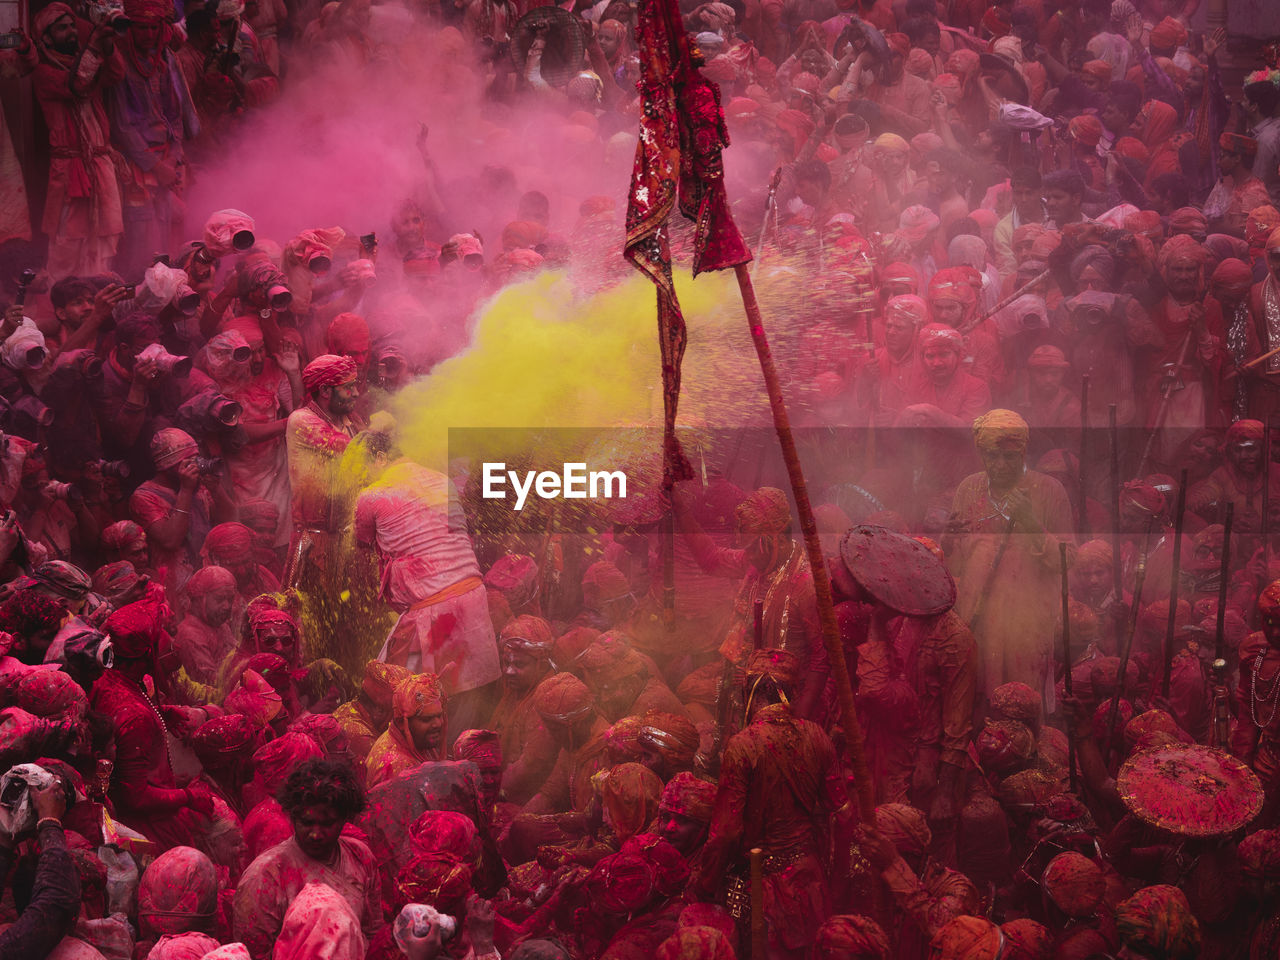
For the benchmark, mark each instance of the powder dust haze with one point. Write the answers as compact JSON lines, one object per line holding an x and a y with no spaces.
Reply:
{"x":342,"y":148}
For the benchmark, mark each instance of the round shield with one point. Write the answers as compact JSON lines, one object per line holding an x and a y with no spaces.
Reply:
{"x":901,"y":573}
{"x":1190,"y":789}
{"x":562,"y":31}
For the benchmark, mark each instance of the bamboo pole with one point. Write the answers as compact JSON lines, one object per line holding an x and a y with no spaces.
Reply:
{"x":1173,"y":587}
{"x":759,"y":935}
{"x":813,"y":547}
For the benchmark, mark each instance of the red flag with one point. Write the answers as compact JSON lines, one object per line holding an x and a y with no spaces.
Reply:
{"x":678,"y":161}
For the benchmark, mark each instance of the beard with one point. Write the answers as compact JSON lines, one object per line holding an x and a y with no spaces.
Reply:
{"x":67,"y":47}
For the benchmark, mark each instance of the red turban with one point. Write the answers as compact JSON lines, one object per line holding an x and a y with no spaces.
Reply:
{"x":903,"y":273}
{"x":779,"y":666}
{"x":171,"y":446}
{"x":1143,"y":495}
{"x":1260,"y":855}
{"x":1026,"y":940}
{"x":254,"y":698}
{"x":415,"y":693}
{"x":225,"y":738}
{"x":1100,"y":69}
{"x":916,"y":222}
{"x":956,"y":283}
{"x":273,"y":762}
{"x":50,"y":695}
{"x":622,"y":883}
{"x":123,"y":535}
{"x":1234,"y":142}
{"x":1188,"y":220}
{"x":856,"y":936}
{"x":1016,"y":701}
{"x":528,"y":634}
{"x":671,"y":736}
{"x":571,"y":645}
{"x":380,"y":681}
{"x":1181,"y":249}
{"x":689,"y":796}
{"x":228,"y":545}
{"x":1157,"y":921}
{"x":149,"y":10}
{"x":1075,"y":883}
{"x":136,"y":629}
{"x":610,"y":659}
{"x":562,"y":699}
{"x":1133,"y":149}
{"x":516,"y":576}
{"x":1243,"y":431}
{"x":905,"y":827}
{"x":967,"y":938}
{"x":629,"y":794}
{"x":178,"y":892}
{"x":447,"y":834}
{"x":208,"y":579}
{"x":1260,"y":224}
{"x":182,"y":946}
{"x":1233,"y":277}
{"x":481,"y":747}
{"x":941,"y":333}
{"x":347,"y":333}
{"x":603,"y":582}
{"x":899,"y":43}
{"x":708,"y":915}
{"x":1086,"y":128}
{"x":766,"y":511}
{"x":1005,"y":745}
{"x":1269,"y":600}
{"x":328,"y":371}
{"x":997,"y":21}
{"x":696,"y":943}
{"x":435,"y":879}
{"x":1168,"y":34}
{"x":909,"y":307}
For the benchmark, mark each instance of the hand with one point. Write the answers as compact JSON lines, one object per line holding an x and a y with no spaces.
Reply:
{"x":1080,"y":715}
{"x":1133,"y":29}
{"x":426,"y":947}
{"x":200,"y":799}
{"x":13,"y":315}
{"x":1019,"y":506}
{"x":106,"y":299}
{"x":165,"y":173}
{"x":183,"y":721}
{"x":144,"y":371}
{"x":878,"y":849}
{"x":1195,"y":314}
{"x":938,"y":100}
{"x":103,"y":39}
{"x":189,"y":474}
{"x":480,"y":920}
{"x":1214,"y":41}
{"x":288,"y":358}
{"x":49,"y":801}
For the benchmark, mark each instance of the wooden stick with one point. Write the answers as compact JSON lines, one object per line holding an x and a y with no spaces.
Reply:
{"x":1066,"y":655}
{"x":1082,"y":498}
{"x":1220,"y":640}
{"x":759,"y":935}
{"x":1116,"y":541}
{"x":1262,"y":359}
{"x":1266,"y":497}
{"x":1173,"y":587}
{"x":1038,"y":278}
{"x":813,"y":547}
{"x":1127,"y":644}
{"x":757,"y":624}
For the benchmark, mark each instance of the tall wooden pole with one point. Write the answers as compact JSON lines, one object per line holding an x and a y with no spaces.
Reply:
{"x":813,"y":547}
{"x":1173,"y":587}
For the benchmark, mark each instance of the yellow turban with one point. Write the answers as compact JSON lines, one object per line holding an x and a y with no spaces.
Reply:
{"x":999,"y":428}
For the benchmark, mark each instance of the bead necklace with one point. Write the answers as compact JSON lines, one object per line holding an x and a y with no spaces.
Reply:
{"x":1272,"y":695}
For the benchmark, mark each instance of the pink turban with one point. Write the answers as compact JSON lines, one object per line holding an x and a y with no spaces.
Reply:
{"x":172,"y":446}
{"x":328,"y":371}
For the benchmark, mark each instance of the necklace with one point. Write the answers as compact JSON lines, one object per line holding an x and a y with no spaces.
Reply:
{"x":1272,"y":695}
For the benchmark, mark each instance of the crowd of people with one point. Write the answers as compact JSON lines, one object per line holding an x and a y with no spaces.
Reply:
{"x":270,"y":689}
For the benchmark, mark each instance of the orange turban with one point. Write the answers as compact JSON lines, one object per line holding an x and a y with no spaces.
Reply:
{"x":328,"y":371}
{"x":562,"y":699}
{"x":905,"y":827}
{"x":689,"y":796}
{"x":1075,"y":883}
{"x":968,"y":938}
{"x":415,"y":693}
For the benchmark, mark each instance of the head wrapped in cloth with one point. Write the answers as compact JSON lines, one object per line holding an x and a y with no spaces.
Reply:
{"x":1017,"y":701}
{"x":905,"y":826}
{"x":696,"y":943}
{"x":772,"y":670}
{"x":622,"y":884}
{"x":124,"y":536}
{"x":380,"y":681}
{"x":1157,"y":922}
{"x":436,"y":879}
{"x":1074,"y":883}
{"x":907,"y":307}
{"x":1026,"y":940}
{"x":763,"y":513}
{"x":1181,"y":250}
{"x":416,"y":695}
{"x":447,"y":834}
{"x":603,"y":583}
{"x":1005,"y":745}
{"x":224,"y":740}
{"x":629,"y":794}
{"x":968,"y":938}
{"x":329,"y":371}
{"x":255,"y":699}
{"x":932,"y":333}
{"x":171,"y":446}
{"x":1000,"y":429}
{"x":227,"y":355}
{"x":229,"y":545}
{"x":563,"y":699}
{"x":672,"y":737}
{"x":481,"y":747}
{"x":853,"y":936}
{"x":1260,"y":855}
{"x":178,"y":892}
{"x":689,"y":796}
{"x":529,"y":635}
